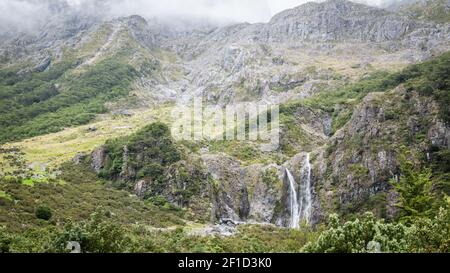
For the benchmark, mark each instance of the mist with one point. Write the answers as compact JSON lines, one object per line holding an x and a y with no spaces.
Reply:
{"x":24,"y":15}
{"x":27,"y":14}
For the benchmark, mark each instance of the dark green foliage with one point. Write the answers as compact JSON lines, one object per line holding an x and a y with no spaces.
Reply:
{"x":414,"y":189}
{"x":40,"y":103}
{"x":368,"y":234}
{"x":361,"y":235}
{"x":270,"y":177}
{"x":250,"y":239}
{"x":43,"y":212}
{"x":98,"y":234}
{"x":149,"y":151}
{"x":440,"y":165}
{"x":5,"y":240}
{"x":432,"y":79}
{"x":101,"y":233}
{"x":14,"y":164}
{"x":150,"y":155}
{"x":432,"y":235}
{"x":76,"y":200}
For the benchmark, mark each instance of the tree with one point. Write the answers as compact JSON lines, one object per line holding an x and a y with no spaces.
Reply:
{"x":414,"y":188}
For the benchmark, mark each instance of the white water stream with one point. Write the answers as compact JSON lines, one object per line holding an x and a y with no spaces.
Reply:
{"x":300,"y":200}
{"x":295,"y":212}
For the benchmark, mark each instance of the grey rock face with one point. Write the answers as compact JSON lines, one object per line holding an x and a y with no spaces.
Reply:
{"x":231,"y":196}
{"x":41,"y":67}
{"x":439,"y":134}
{"x":141,"y":188}
{"x":98,"y":159}
{"x":141,"y":31}
{"x":79,"y":158}
{"x":256,"y":193}
{"x":242,"y":62}
{"x":362,"y":157}
{"x":337,"y":20}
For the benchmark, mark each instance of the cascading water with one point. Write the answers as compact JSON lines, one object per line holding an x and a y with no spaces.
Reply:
{"x":305,"y":190}
{"x":295,"y":212}
{"x":300,"y":210}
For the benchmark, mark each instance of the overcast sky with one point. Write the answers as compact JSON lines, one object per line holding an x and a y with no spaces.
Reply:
{"x":25,"y":13}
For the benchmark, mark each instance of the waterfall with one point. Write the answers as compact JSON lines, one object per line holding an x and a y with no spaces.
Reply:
{"x":300,"y":210}
{"x":305,"y":190}
{"x":295,"y":212}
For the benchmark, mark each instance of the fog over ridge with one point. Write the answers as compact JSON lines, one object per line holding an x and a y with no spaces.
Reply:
{"x":26,"y":14}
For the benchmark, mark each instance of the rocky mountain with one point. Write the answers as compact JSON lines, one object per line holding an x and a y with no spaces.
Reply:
{"x":355,"y":85}
{"x":433,"y":10}
{"x":220,"y":58}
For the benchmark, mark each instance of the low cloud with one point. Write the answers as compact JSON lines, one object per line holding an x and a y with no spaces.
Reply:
{"x":26,"y":14}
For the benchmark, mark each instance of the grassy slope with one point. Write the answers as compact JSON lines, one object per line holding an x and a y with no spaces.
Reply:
{"x":54,"y":149}
{"x":80,"y":194}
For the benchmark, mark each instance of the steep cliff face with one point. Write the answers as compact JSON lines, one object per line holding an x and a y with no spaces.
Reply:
{"x":338,"y":20}
{"x":351,"y":170}
{"x":273,"y":61}
{"x":243,"y":193}
{"x":362,"y":157}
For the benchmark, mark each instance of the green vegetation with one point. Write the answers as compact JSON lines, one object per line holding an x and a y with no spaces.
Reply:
{"x":250,"y":239}
{"x":150,"y":156}
{"x":149,"y":151}
{"x":75,"y":200}
{"x":415,"y":190}
{"x":361,"y":235}
{"x":35,"y":103}
{"x":341,"y":102}
{"x":40,"y":212}
{"x":98,"y":234}
{"x":5,"y":197}
{"x":371,"y":235}
{"x":428,"y":79}
{"x":43,"y":212}
{"x":440,"y":166}
{"x":270,"y":178}
{"x":102,"y":233}
{"x":431,"y":79}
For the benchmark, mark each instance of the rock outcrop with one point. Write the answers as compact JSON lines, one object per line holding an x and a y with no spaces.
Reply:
{"x":362,"y":157}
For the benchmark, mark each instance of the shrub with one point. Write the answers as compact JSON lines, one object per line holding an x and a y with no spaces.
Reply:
{"x":99,"y":234}
{"x":432,"y":235}
{"x":43,"y":212}
{"x":5,"y":241}
{"x":361,"y":235}
{"x":33,"y":105}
